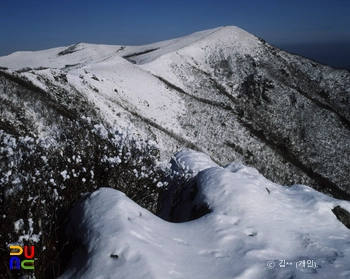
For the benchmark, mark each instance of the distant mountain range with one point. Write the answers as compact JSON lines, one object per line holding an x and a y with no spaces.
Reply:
{"x":222,"y":91}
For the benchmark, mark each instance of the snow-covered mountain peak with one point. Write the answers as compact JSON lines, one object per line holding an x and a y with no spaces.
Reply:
{"x":222,"y":38}
{"x":225,"y":80}
{"x":60,"y":57}
{"x":83,"y":53}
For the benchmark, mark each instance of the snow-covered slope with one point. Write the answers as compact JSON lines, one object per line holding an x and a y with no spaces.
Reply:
{"x":221,"y":91}
{"x":83,"y":54}
{"x":256,"y":229}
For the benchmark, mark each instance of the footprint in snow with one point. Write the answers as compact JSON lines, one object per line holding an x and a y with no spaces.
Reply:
{"x":250,"y":232}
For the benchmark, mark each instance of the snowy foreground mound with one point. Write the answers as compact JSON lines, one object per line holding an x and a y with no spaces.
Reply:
{"x":254,"y":225}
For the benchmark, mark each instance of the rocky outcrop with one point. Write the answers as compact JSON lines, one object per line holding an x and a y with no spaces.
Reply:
{"x":342,"y":215}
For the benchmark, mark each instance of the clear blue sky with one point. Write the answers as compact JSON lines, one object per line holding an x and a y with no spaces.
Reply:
{"x":317,"y":28}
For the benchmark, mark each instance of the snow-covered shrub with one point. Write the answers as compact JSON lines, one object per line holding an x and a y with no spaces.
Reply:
{"x":42,"y":178}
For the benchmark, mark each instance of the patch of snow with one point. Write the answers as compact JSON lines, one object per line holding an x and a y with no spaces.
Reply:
{"x":253,"y":226}
{"x":190,"y":160}
{"x":64,"y":174}
{"x":100,"y":130}
{"x":19,"y":225}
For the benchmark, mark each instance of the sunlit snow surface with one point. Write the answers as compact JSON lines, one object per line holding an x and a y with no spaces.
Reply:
{"x":254,"y":225}
{"x":121,"y":90}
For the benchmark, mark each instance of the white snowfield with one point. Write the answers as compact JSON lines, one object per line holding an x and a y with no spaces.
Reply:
{"x":86,"y":54}
{"x":256,"y":229}
{"x":123,"y":81}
